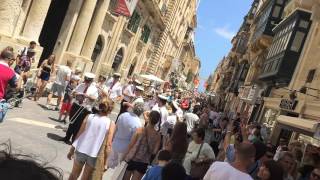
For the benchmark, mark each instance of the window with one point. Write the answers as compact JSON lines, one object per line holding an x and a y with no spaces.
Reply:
{"x":303,"y":24}
{"x":280,"y":1}
{"x":276,"y":11}
{"x":311,"y":74}
{"x":145,"y":34}
{"x":134,"y":22}
{"x":297,"y":42}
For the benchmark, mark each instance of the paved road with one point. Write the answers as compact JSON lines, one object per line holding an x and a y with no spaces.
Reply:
{"x":34,"y":130}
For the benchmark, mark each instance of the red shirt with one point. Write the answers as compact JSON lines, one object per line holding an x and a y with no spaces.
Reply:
{"x":7,"y":76}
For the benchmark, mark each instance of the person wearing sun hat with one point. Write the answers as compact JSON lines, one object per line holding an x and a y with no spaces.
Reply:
{"x":138,"y":97}
{"x":85,"y":94}
{"x":114,"y":88}
{"x":161,"y":107}
{"x":128,"y":95}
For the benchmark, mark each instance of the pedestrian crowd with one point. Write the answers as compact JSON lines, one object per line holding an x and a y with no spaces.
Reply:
{"x":159,"y":133}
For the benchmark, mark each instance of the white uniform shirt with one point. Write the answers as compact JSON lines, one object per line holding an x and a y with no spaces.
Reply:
{"x":92,"y":91}
{"x":115,"y":90}
{"x":224,"y":171}
{"x":129,"y":90}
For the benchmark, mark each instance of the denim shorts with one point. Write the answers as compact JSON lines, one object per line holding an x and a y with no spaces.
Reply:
{"x":3,"y":109}
{"x":85,"y":159}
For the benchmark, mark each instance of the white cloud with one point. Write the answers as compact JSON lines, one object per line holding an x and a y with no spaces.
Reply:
{"x":224,"y":32}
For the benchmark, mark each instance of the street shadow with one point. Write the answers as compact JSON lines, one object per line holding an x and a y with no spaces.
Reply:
{"x":54,"y":137}
{"x":54,"y":119}
{"x":64,"y":129}
{"x":42,"y":106}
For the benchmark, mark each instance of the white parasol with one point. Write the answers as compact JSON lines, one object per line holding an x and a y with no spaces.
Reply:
{"x":151,"y":77}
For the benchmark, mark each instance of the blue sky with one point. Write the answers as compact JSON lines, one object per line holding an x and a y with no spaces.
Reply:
{"x":218,"y":21}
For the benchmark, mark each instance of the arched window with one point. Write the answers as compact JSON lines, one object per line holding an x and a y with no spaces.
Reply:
{"x":97,"y":49}
{"x":117,"y":60}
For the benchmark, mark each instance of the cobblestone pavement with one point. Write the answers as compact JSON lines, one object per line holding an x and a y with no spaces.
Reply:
{"x":34,"y":130}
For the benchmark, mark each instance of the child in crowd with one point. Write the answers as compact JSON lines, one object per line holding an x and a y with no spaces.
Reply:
{"x":67,"y":100}
{"x":154,"y":173}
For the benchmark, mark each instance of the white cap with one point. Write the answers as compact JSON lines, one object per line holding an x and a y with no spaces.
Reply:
{"x":117,"y":74}
{"x":163,"y":97}
{"x":89,"y":75}
{"x":140,"y":88}
{"x":137,"y":82}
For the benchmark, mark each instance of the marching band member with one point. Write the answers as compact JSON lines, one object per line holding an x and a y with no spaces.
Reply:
{"x":86,"y":95}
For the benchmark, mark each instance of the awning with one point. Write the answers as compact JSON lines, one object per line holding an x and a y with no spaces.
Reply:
{"x":300,"y":123}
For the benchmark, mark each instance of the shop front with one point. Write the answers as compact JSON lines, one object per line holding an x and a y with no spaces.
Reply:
{"x":292,"y":120}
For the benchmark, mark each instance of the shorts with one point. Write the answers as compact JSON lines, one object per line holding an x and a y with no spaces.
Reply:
{"x":44,"y":76}
{"x":137,"y":166}
{"x":57,"y":88}
{"x":66,"y":107}
{"x":85,"y":159}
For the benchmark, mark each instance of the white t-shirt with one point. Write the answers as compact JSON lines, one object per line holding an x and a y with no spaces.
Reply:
{"x":91,"y":140}
{"x":92,"y":91}
{"x":62,"y":73}
{"x":193,"y":150}
{"x":224,"y":171}
{"x":163,"y":112}
{"x":191,"y":120}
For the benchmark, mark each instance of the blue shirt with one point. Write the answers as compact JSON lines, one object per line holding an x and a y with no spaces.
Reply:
{"x":153,"y":173}
{"x":125,"y":128}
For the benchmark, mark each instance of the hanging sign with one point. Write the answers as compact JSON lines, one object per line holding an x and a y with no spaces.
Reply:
{"x":125,"y":7}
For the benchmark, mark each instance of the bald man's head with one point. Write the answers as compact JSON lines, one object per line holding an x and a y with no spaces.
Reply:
{"x":245,"y":151}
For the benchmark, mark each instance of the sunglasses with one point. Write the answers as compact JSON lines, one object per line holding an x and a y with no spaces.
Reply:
{"x":315,"y":175}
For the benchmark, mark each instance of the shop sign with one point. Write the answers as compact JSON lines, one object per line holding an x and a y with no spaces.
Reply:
{"x":288,"y":104}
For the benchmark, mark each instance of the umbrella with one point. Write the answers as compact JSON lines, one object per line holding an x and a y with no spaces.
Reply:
{"x":151,"y":77}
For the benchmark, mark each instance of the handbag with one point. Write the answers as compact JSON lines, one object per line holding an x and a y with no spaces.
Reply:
{"x":199,"y":168}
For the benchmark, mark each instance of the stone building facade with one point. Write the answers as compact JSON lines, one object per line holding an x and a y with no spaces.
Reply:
{"x":95,"y":39}
{"x":275,"y":78}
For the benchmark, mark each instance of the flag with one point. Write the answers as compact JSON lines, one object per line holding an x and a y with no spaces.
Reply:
{"x":125,"y":7}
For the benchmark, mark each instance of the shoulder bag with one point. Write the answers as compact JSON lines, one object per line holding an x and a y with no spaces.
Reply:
{"x":199,"y":168}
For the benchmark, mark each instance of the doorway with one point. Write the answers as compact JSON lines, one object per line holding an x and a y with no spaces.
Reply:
{"x":52,"y":26}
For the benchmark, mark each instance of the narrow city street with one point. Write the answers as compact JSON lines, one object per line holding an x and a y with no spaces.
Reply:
{"x":34,"y":131}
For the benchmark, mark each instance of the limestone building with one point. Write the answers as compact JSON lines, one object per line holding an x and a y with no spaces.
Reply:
{"x":275,"y":79}
{"x":90,"y":34}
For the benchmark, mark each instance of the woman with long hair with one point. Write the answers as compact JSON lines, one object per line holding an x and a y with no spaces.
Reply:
{"x":45,"y":71}
{"x":144,"y":143}
{"x":95,"y":129}
{"x":178,"y":142}
{"x":270,"y":170}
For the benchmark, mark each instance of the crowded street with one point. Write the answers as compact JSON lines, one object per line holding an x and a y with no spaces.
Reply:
{"x":159,"y":90}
